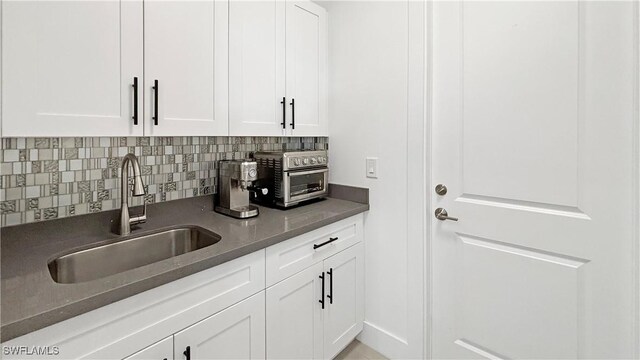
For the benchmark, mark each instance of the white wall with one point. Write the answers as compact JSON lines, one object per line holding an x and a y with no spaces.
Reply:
{"x":368,"y":111}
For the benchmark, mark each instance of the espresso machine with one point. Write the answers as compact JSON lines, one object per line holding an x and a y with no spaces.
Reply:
{"x":235,"y":185}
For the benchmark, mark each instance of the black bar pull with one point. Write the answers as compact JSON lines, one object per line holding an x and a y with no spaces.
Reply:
{"x":322,"y":298}
{"x":315,"y":246}
{"x":293,"y":113}
{"x":155,"y":103}
{"x":135,"y":101}
{"x":187,"y":352}
{"x":284,"y":112}
{"x":330,"y":296}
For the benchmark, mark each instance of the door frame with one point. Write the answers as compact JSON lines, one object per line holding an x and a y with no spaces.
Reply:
{"x":420,"y":100}
{"x":635,"y":168}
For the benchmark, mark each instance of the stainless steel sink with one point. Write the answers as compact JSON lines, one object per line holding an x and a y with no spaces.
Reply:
{"x":130,"y":253}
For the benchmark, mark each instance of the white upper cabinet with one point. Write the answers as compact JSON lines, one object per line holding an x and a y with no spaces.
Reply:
{"x":277,"y":69}
{"x":68,"y":68}
{"x":256,"y":68}
{"x":306,"y":63}
{"x":211,"y":68}
{"x":186,"y":55}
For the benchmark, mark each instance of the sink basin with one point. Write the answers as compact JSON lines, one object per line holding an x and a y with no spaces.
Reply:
{"x":130,"y":253}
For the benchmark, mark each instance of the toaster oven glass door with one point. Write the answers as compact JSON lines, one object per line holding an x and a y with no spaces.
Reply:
{"x":302,"y":185}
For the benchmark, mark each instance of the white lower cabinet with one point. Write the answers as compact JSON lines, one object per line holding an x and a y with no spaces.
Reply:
{"x":294,"y":316}
{"x":237,"y":332}
{"x":312,"y":308}
{"x":234,"y":333}
{"x":162,"y":350}
{"x":317,"y":312}
{"x":344,"y":310}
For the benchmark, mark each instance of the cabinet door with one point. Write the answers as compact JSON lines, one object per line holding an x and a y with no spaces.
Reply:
{"x":294,"y":316}
{"x":256,"y":68}
{"x":237,"y":332}
{"x":162,"y":350}
{"x":344,"y":312}
{"x":68,"y":68}
{"x":186,"y":52}
{"x":307,"y":68}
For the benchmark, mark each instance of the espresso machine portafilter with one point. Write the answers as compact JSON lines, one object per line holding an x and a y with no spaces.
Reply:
{"x":235,"y":184}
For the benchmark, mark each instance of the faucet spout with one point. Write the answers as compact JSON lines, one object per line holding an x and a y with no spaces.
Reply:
{"x":138,"y":190}
{"x":138,"y":186}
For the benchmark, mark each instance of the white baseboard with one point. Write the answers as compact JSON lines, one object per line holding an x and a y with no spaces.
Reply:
{"x":384,"y":342}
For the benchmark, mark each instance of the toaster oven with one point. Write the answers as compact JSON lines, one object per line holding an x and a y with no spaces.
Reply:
{"x":292,"y":176}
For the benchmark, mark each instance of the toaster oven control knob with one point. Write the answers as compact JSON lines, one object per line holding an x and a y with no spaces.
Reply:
{"x":313,"y":160}
{"x":296,"y":161}
{"x":305,"y":161}
{"x":252,"y":173}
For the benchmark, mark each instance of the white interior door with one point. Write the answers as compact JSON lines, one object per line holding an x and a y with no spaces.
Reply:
{"x":294,"y":316}
{"x":533,"y":137}
{"x":306,"y":62}
{"x":68,"y":68}
{"x":256,"y":68}
{"x":237,"y":332}
{"x":186,"y":52}
{"x":344,"y":302}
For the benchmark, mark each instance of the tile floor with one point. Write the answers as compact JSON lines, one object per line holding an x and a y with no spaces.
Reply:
{"x":359,"y":351}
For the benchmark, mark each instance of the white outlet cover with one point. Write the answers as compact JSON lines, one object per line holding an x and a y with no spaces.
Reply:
{"x":372,"y":167}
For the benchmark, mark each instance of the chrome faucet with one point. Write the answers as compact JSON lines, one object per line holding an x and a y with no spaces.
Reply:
{"x":138,"y":190}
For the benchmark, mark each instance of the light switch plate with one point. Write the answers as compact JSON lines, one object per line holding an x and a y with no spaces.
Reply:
{"x":372,"y":167}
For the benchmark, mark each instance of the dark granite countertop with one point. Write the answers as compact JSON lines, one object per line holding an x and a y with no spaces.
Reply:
{"x":31,"y":300}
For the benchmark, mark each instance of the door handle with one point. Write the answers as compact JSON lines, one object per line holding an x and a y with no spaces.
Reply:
{"x":330,"y":296}
{"x":156,"y":89}
{"x":284,"y":112}
{"x":315,"y":246}
{"x":187,"y":353}
{"x":293,"y":114}
{"x":135,"y":100}
{"x":441,"y":214}
{"x":322,"y":298}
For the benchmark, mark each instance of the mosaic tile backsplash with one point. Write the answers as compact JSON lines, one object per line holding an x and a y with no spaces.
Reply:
{"x":50,"y":178}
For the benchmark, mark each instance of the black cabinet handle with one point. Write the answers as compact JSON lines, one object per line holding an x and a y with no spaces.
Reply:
{"x":155,"y":102}
{"x":187,"y":353}
{"x":135,"y":100}
{"x":293,"y":113}
{"x":322,"y":298}
{"x":284,"y":112}
{"x":315,"y":246}
{"x":330,"y":296}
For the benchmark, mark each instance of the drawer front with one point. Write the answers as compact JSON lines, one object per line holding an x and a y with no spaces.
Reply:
{"x":289,"y":257}
{"x":126,"y":326}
